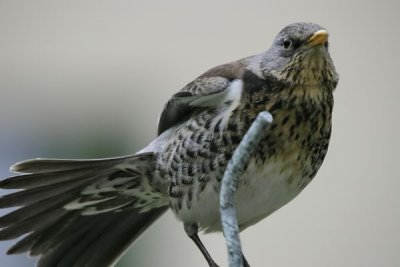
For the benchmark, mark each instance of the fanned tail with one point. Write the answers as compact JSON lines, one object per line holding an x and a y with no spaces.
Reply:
{"x":80,"y":212}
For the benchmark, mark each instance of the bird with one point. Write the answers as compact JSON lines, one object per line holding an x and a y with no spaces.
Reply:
{"x":87,"y":212}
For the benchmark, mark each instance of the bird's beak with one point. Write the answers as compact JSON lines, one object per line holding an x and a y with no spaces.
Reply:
{"x":319,"y":37}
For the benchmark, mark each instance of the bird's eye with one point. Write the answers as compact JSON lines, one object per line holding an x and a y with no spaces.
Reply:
{"x":287,"y":43}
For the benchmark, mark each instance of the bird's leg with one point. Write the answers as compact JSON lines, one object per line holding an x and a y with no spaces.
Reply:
{"x":245,"y":263}
{"x":192,"y":230}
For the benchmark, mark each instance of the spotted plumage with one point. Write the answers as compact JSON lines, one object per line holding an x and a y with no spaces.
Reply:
{"x":108,"y":203}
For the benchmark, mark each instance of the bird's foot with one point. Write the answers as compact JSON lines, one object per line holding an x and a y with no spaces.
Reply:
{"x":213,"y":264}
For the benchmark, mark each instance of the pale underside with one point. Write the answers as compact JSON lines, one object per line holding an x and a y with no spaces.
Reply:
{"x":261,"y":191}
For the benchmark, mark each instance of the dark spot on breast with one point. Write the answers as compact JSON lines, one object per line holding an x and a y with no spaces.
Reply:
{"x":224,"y":140}
{"x":187,"y":180}
{"x":192,"y":136}
{"x":292,"y":130}
{"x":277,"y":105}
{"x":204,"y":167}
{"x":299,"y":118}
{"x":211,"y":166}
{"x":285,"y":120}
{"x":235,"y":139}
{"x":202,"y":187}
{"x":303,"y":185}
{"x":190,"y":127}
{"x":175,"y":158}
{"x":248,"y":120}
{"x":190,"y":170}
{"x":203,"y":153}
{"x":325,"y":146}
{"x":232,"y":127}
{"x":291,"y":103}
{"x":203,"y":178}
{"x":221,"y":162}
{"x":217,"y":126}
{"x":190,"y":195}
{"x":213,"y":147}
{"x":313,"y":173}
{"x":262,"y":100}
{"x":306,"y":112}
{"x":200,"y":137}
{"x":190,"y":152}
{"x":273,"y":126}
{"x":314,"y":126}
{"x":174,"y":191}
{"x":174,"y":166}
{"x":208,"y":124}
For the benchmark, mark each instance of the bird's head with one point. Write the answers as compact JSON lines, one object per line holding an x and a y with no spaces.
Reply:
{"x":299,"y":56}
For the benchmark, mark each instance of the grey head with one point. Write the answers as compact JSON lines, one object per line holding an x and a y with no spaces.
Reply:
{"x":299,"y":55}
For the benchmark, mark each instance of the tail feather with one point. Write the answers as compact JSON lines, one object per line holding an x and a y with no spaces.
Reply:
{"x":39,"y":242}
{"x":24,"y":245}
{"x":53,"y":165}
{"x":27,"y":212}
{"x":32,"y":224}
{"x":28,"y":181}
{"x":129,"y":228}
{"x":100,"y":244}
{"x":33,"y":195}
{"x":73,"y":247}
{"x":80,"y":212}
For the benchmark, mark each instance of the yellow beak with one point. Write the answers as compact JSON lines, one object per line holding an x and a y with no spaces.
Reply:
{"x":319,"y":37}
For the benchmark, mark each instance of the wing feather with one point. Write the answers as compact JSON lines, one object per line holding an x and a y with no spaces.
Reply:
{"x":207,"y":91}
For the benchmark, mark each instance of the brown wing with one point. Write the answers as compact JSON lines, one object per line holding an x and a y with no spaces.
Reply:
{"x":208,"y":90}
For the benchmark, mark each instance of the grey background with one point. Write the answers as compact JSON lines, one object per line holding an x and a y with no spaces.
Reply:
{"x":89,"y":78}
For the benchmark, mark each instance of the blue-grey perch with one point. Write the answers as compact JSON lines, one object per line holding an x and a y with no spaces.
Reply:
{"x":229,"y":184}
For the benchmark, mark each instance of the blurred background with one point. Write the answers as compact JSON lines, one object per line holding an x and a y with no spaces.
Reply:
{"x":82,"y":79}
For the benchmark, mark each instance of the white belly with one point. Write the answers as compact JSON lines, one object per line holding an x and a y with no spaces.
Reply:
{"x":261,"y":191}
